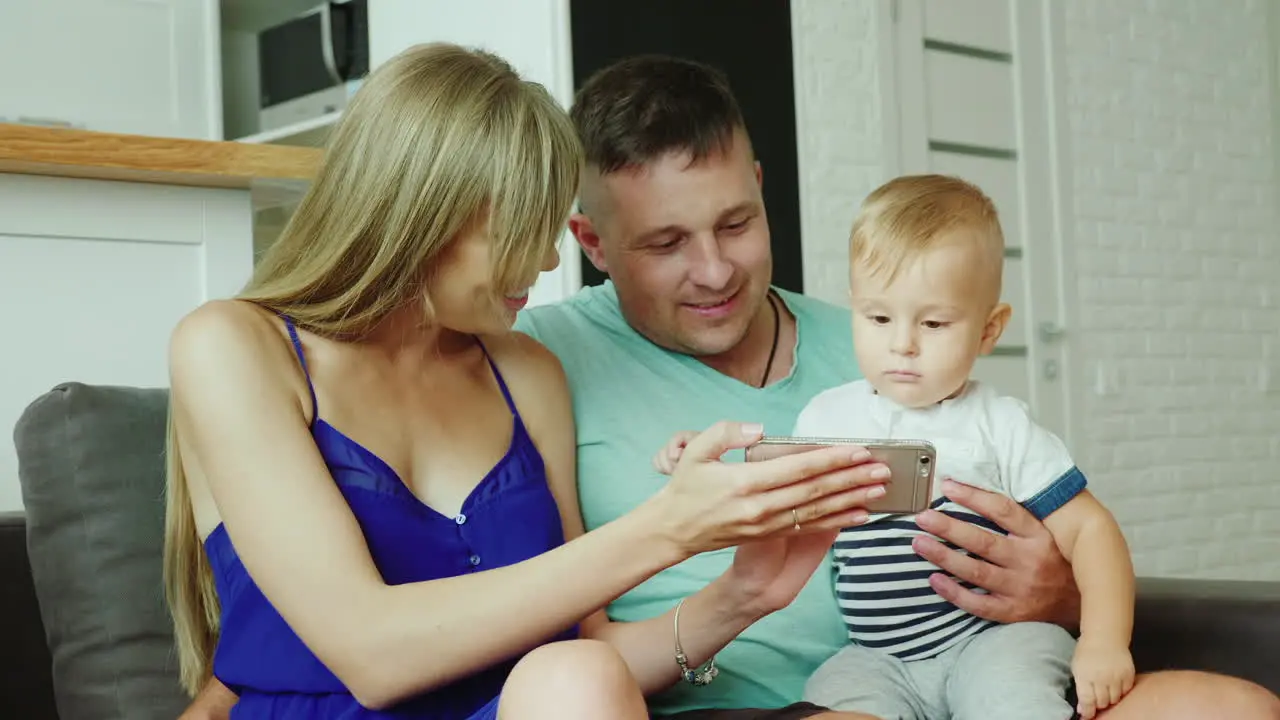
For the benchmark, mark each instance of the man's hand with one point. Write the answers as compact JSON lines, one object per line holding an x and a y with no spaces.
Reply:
{"x":1024,"y":574}
{"x":771,"y":573}
{"x":213,"y":702}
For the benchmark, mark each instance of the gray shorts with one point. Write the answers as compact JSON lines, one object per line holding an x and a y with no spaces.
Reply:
{"x":1015,"y":672}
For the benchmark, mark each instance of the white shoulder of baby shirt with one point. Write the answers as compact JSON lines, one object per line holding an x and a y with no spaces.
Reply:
{"x":1034,"y":465}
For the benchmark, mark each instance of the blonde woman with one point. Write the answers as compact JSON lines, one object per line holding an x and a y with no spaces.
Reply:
{"x":372,"y":507}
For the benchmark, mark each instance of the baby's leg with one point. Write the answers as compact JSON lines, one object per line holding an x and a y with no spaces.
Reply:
{"x":1013,"y":672}
{"x":865,"y":680}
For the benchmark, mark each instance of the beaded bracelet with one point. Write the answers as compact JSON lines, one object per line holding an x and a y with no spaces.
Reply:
{"x":693,"y":677}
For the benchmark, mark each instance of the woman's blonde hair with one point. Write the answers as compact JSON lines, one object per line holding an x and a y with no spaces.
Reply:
{"x":438,"y":138}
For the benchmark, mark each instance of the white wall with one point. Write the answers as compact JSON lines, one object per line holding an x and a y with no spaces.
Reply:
{"x":533,"y":35}
{"x":1175,"y":239}
{"x":839,"y":128}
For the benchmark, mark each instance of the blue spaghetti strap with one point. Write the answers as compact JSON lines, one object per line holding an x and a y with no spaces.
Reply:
{"x":502,"y":384}
{"x":302,"y":360}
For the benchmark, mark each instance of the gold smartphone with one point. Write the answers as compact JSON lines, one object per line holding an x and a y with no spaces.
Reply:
{"x":911,"y":462}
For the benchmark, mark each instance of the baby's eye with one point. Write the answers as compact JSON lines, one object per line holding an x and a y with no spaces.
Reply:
{"x":935,"y":324}
{"x":880,"y":319}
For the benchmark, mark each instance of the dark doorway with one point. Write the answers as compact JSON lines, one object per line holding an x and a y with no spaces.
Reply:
{"x":751,"y":43}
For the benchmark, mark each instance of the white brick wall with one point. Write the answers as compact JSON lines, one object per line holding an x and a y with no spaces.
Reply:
{"x":1175,"y":238}
{"x":840,"y":153}
{"x":1178,"y":259}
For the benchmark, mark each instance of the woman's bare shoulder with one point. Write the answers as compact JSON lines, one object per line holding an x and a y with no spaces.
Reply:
{"x":231,"y":341}
{"x":537,"y":382}
{"x":521,"y":356}
{"x":234,"y":325}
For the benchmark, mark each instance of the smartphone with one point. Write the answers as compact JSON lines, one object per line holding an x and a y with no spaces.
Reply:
{"x":911,"y":462}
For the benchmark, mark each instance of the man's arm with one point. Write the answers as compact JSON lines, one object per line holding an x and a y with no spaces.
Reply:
{"x":1024,"y":574}
{"x":213,"y":702}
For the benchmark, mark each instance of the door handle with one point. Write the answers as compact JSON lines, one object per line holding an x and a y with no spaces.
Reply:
{"x":1050,"y":331}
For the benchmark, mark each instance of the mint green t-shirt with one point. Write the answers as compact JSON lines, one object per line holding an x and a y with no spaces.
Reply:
{"x":629,"y":396}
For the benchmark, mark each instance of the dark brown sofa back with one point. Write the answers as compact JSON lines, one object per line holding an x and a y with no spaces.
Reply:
{"x":26,"y":684}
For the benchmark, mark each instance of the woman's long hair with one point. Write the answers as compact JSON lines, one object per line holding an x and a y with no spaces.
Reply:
{"x":437,"y":138}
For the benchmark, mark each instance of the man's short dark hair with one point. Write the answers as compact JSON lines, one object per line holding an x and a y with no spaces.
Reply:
{"x":646,"y":106}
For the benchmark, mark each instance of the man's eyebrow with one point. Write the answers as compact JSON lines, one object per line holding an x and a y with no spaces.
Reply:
{"x":649,"y":236}
{"x":740,"y":208}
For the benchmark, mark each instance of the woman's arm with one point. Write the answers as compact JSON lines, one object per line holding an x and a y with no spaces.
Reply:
{"x":213,"y":702}
{"x":243,"y":433}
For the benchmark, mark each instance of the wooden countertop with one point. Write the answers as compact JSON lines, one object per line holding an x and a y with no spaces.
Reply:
{"x":62,"y":152}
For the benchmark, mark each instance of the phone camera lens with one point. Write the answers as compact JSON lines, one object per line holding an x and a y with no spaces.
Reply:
{"x":924,"y":461}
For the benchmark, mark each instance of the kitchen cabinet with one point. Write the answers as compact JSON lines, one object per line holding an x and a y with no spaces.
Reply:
{"x":106,"y":241}
{"x":145,"y":67}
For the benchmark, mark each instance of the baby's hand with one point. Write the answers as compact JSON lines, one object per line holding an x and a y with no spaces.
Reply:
{"x":666,"y":459}
{"x":1104,"y":674}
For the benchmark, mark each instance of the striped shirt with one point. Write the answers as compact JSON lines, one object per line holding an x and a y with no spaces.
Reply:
{"x":982,"y":439}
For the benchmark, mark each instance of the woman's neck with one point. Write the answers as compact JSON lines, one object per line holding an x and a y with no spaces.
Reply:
{"x":405,"y":337}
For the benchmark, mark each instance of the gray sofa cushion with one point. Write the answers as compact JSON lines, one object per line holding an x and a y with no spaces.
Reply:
{"x":91,"y":465}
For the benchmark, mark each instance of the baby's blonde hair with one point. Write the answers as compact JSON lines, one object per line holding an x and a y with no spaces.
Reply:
{"x":912,"y":214}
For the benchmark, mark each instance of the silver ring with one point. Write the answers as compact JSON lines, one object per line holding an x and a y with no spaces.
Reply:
{"x":795,"y":520}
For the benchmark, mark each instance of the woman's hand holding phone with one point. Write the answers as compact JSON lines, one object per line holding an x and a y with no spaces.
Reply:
{"x":709,"y":504}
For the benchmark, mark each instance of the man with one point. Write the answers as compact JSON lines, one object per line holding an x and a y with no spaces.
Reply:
{"x":688,"y":331}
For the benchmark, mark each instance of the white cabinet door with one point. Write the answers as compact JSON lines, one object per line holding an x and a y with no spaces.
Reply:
{"x":93,"y":294}
{"x":532,"y":35}
{"x":141,"y":67}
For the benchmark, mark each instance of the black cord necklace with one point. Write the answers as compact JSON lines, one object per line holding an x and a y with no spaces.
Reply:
{"x":777,"y":327}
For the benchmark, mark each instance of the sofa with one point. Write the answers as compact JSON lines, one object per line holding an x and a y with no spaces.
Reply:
{"x":84,"y":634}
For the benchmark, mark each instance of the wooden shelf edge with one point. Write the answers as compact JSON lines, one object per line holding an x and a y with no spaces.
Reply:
{"x":110,"y":156}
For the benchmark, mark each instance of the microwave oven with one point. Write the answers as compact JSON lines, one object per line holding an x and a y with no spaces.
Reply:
{"x":310,"y":65}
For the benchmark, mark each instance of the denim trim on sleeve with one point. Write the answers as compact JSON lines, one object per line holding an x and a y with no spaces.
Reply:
{"x":1058,"y":493}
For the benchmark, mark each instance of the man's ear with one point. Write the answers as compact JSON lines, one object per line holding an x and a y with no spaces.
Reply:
{"x":582,"y":229}
{"x":996,"y":323}
{"x":759,"y":174}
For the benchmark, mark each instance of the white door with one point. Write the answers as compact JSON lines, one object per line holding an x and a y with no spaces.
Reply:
{"x":974,"y":96}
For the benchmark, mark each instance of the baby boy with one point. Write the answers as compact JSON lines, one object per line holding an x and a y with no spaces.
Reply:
{"x":926,"y":265}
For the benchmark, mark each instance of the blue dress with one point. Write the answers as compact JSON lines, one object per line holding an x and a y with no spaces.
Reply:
{"x":509,"y":517}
